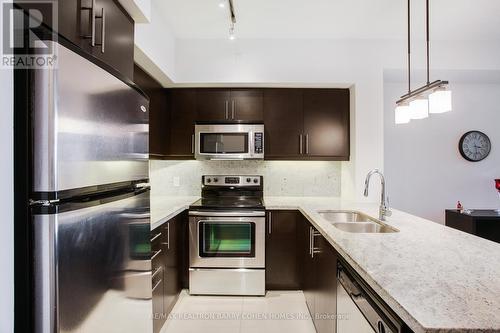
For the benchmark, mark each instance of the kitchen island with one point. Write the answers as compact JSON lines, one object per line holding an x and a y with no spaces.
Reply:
{"x":436,"y":279}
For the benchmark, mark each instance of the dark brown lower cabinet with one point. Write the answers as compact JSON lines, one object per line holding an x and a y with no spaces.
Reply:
{"x":167,"y":266}
{"x":319,"y":262}
{"x":158,"y":278}
{"x":282,"y":267}
{"x":298,"y":257}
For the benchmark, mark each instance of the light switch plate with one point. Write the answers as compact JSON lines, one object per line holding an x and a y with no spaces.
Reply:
{"x":177,"y":181}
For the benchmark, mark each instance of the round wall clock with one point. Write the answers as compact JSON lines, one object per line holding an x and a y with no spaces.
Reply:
{"x":474,"y":146}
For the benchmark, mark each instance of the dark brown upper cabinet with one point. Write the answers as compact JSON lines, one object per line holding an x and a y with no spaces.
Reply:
{"x":212,"y":104}
{"x":326,"y":123}
{"x":114,"y":37}
{"x":306,"y":124}
{"x":247,"y":104}
{"x":283,"y":119}
{"x":229,"y":105}
{"x":159,"y":133}
{"x":181,"y":124}
{"x":113,"y":33}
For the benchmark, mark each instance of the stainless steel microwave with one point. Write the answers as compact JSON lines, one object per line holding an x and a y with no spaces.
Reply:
{"x":229,"y":141}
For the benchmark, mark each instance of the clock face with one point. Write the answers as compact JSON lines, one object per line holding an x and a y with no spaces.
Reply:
{"x":475,"y":146}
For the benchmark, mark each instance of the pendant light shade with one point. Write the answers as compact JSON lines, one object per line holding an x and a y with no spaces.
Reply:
{"x":419,"y":108}
{"x":440,"y":101}
{"x":402,"y":114}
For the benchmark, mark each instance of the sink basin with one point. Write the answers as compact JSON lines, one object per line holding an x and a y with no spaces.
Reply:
{"x":364,"y":227}
{"x":335,"y":216}
{"x":355,"y":222}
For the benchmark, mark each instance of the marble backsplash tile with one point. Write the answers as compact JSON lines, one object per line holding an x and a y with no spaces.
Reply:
{"x":281,"y":178}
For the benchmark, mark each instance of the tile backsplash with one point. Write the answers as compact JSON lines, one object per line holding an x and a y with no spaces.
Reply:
{"x":281,"y":178}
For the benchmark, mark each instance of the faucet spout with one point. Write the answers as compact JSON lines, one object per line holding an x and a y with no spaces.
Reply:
{"x":384,"y":210}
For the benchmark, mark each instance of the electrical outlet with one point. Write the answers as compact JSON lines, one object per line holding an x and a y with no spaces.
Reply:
{"x":177,"y":181}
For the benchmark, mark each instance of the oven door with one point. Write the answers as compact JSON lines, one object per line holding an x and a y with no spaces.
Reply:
{"x":229,"y":142}
{"x":221,"y":241}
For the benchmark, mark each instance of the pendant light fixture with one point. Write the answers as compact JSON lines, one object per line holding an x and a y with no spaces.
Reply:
{"x":433,"y":97}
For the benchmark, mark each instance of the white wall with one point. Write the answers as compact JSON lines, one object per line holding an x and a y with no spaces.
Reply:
{"x":425,"y":170}
{"x":155,"y":46}
{"x":359,"y":63}
{"x":6,"y":203}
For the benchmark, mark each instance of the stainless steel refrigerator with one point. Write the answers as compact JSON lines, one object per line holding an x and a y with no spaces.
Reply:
{"x":90,"y":210}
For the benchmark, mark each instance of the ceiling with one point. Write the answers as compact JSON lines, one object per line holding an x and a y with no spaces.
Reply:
{"x":338,"y":19}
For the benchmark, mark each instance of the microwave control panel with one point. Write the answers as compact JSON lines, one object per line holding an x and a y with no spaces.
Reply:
{"x":259,"y":143}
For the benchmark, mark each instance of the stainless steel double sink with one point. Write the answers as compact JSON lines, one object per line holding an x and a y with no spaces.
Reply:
{"x":355,"y":222}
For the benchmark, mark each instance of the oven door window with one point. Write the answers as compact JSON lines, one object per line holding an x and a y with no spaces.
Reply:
{"x":223,"y":143}
{"x":227,"y":239}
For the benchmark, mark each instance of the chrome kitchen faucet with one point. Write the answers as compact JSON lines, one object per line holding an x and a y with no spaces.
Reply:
{"x":383,"y":210}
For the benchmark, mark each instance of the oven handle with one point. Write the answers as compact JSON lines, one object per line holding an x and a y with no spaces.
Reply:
{"x":227,"y":214}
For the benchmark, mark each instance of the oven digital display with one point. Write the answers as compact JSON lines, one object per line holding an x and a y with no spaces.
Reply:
{"x":232,"y":180}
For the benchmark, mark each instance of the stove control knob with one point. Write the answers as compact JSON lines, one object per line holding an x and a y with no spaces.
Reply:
{"x":255,"y":180}
{"x":216,"y":180}
{"x":209,"y":180}
{"x":249,"y":180}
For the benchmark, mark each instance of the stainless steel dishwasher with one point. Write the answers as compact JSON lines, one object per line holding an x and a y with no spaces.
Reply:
{"x":359,"y":309}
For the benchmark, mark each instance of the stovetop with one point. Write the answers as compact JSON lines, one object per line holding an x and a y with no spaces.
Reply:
{"x":228,"y":203}
{"x":231,"y":192}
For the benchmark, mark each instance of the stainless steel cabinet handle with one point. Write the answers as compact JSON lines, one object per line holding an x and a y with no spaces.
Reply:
{"x":156,"y":272}
{"x":226,"y":109}
{"x":310,"y":241}
{"x":233,"y":106}
{"x":103,"y":30}
{"x":192,"y":143}
{"x":157,"y":284}
{"x":155,"y":237}
{"x":314,"y":249}
{"x":156,"y":254}
{"x":270,"y":226}
{"x":307,"y":144}
{"x":300,"y":144}
{"x":92,"y":23}
{"x":168,"y":236}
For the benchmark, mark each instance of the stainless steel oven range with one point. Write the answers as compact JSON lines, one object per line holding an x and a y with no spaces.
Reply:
{"x":227,"y":237}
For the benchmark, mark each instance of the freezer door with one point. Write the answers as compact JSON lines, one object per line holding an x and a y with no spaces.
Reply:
{"x":92,"y":268}
{"x":90,"y":127}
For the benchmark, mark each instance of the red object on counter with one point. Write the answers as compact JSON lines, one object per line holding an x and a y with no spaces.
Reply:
{"x":497,"y":184}
{"x":459,"y":206}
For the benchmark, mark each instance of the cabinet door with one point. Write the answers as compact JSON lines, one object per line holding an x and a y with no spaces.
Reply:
{"x":158,"y":113}
{"x":282,"y":267}
{"x":247,"y":104}
{"x":326,"y":285}
{"x":158,"y":258}
{"x":181,"y":125}
{"x":212,"y":104}
{"x":118,"y":33}
{"x":326,"y":123}
{"x":172,"y":273}
{"x":158,"y":307}
{"x":283,"y":120}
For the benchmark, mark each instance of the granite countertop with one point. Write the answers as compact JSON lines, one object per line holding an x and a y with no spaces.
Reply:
{"x":164,"y":208}
{"x":437,"y":279}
